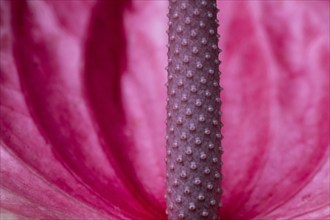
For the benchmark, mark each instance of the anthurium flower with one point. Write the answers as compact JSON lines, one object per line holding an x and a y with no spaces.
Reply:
{"x":83,"y":109}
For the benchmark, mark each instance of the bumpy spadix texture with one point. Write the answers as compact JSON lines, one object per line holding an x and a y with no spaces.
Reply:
{"x":82,"y":104}
{"x":193,"y":111}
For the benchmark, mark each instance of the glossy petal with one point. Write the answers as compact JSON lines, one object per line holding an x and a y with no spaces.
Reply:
{"x":51,"y":93}
{"x":275,"y":65}
{"x":83,"y":109}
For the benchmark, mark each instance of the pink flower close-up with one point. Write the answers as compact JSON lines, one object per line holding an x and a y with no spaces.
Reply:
{"x":83,"y":109}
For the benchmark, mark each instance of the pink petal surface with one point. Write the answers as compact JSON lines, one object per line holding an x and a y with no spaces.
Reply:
{"x":83,"y":109}
{"x":279,"y":114}
{"x":144,"y":92}
{"x":64,"y":121}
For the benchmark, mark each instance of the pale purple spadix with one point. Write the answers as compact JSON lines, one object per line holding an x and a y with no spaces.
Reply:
{"x":193,"y":111}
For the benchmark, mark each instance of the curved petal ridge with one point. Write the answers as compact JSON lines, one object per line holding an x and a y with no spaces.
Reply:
{"x":143,"y":94}
{"x":18,"y":131}
{"x":103,"y":89}
{"x":19,"y":180}
{"x":297,"y":106}
{"x":246,"y":114}
{"x":310,"y":202}
{"x":40,"y":75}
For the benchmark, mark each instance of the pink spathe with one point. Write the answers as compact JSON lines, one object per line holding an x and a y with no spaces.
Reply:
{"x":83,"y":109}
